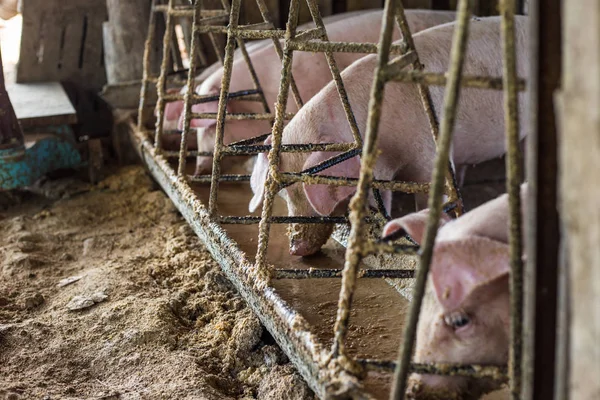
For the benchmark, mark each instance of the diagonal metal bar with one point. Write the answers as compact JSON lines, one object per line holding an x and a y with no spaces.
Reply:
{"x":513,"y":181}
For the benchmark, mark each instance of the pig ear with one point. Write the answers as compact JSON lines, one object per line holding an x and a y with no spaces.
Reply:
{"x":462,"y":266}
{"x":414,"y":224}
{"x":259,"y":178}
{"x":325,"y":198}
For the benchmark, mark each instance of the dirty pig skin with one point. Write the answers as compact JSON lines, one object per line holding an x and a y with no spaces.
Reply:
{"x":310,"y":70}
{"x":405,"y":141}
{"x":465,"y":316}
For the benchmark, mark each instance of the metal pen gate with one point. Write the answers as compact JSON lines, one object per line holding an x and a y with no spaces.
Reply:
{"x":332,"y":371}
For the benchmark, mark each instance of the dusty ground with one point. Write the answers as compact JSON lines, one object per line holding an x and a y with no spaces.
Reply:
{"x":161,"y":320}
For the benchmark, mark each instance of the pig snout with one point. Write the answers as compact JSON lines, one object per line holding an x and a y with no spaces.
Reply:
{"x":307,"y":239}
{"x":206,"y":142}
{"x":435,"y":387}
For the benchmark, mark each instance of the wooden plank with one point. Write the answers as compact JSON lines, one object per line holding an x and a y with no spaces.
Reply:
{"x":41,"y":104}
{"x":579,"y":148}
{"x":73,"y":31}
{"x":51,"y":32}
{"x":93,"y":56}
{"x":124,"y":39}
{"x":49,"y":55}
{"x":30,"y":40}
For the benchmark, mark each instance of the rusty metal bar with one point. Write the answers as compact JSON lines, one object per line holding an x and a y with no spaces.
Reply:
{"x":283,"y":219}
{"x":239,"y":116}
{"x":240,"y":95}
{"x":337,"y":273}
{"x":341,"y":47}
{"x":437,"y":79}
{"x":494,"y":372}
{"x":513,"y":181}
{"x":406,"y":187}
{"x":188,"y":11}
{"x":457,"y":55}
{"x":542,"y":224}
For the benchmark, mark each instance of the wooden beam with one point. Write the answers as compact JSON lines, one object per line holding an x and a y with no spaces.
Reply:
{"x":542,"y":224}
{"x":579,"y":189}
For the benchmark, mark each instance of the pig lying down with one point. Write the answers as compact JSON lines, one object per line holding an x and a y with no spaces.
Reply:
{"x":310,"y":70}
{"x":407,"y":148}
{"x":465,"y":315}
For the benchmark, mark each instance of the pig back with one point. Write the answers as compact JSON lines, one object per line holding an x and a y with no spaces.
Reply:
{"x":479,"y":129}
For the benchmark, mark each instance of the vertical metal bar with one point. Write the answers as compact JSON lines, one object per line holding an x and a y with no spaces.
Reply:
{"x":457,"y":55}
{"x":513,"y":181}
{"x":161,"y":84}
{"x":542,"y":228}
{"x":146,"y":67}
{"x":187,"y":101}
{"x":359,"y":202}
{"x":220,"y":130}
{"x":271,"y":185}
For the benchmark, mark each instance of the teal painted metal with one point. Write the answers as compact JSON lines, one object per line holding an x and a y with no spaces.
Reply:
{"x":21,"y":166}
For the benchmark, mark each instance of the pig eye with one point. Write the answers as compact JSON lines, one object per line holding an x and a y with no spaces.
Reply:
{"x":457,"y":319}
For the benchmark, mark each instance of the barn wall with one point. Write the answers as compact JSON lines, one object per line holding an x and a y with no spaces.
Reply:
{"x":580,"y":191}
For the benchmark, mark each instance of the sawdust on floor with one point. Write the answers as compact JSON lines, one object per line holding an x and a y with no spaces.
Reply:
{"x":153,"y":315}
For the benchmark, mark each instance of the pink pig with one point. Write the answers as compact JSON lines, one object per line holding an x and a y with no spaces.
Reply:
{"x":405,"y":139}
{"x":310,"y":71}
{"x":465,"y":315}
{"x":174,"y":110}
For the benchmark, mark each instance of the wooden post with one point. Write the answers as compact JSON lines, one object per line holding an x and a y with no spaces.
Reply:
{"x":10,"y":130}
{"x":580,"y":191}
{"x":542,"y":222}
{"x":124,"y":39}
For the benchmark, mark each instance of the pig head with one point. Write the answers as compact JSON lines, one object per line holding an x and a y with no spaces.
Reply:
{"x":306,"y":199}
{"x":465,"y":315}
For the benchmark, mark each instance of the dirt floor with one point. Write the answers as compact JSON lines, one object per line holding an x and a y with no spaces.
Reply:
{"x":105,"y":293}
